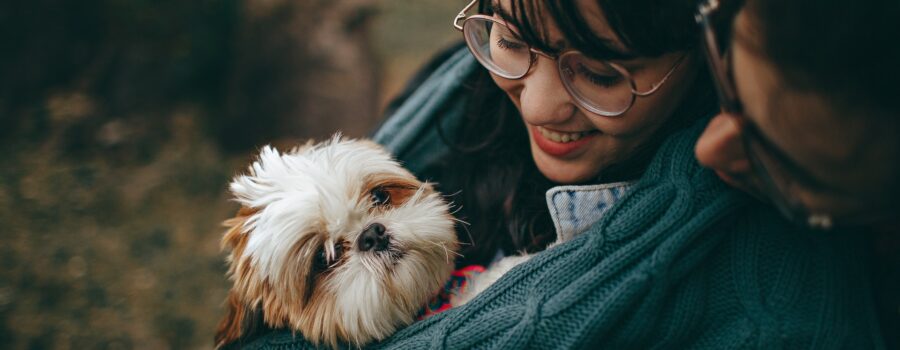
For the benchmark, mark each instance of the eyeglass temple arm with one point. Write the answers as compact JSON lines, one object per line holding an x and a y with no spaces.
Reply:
{"x":705,"y":9}
{"x":663,"y":80}
{"x":727,"y":96}
{"x":462,"y":15}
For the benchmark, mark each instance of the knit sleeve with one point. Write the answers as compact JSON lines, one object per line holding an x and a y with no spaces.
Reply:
{"x":410,"y":133}
{"x":680,"y":261}
{"x":791,"y":288}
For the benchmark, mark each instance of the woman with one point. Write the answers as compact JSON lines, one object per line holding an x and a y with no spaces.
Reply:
{"x":820,"y":127}
{"x":523,"y":119}
{"x":678,"y":260}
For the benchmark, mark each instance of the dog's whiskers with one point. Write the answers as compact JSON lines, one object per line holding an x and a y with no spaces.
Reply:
{"x":455,"y":208}
{"x":369,"y":265}
{"x":447,"y":252}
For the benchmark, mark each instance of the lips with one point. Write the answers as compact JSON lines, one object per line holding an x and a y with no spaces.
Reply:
{"x":560,"y":144}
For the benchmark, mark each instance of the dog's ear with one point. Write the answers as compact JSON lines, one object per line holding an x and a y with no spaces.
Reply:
{"x":235,"y":237}
{"x":242,"y":323}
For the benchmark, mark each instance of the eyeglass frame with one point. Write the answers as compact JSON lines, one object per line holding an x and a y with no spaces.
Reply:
{"x":461,"y":16}
{"x":726,"y":90}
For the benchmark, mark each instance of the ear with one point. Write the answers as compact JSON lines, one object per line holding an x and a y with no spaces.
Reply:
{"x":720,"y":147}
{"x":241,"y":323}
{"x":235,"y":238}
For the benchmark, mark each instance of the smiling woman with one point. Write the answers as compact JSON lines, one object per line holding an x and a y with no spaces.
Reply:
{"x":598,"y":88}
{"x":568,"y":98}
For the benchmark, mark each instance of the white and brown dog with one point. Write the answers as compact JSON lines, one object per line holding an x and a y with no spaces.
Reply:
{"x":334,"y":240}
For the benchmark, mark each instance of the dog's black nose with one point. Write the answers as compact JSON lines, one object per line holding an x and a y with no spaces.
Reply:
{"x":373,"y":238}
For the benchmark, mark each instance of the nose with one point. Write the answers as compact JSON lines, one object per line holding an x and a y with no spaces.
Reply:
{"x":374,"y":238}
{"x":543,"y":97}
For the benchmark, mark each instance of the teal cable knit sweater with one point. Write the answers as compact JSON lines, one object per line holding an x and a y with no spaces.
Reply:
{"x":681,"y":261}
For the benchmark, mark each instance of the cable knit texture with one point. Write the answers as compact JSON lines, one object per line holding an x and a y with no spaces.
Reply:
{"x":681,"y":261}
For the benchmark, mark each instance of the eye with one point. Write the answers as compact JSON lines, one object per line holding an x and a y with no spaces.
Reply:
{"x":507,"y":44}
{"x":604,"y":80}
{"x":505,"y":38}
{"x":380,"y":196}
{"x":321,"y":262}
{"x":338,"y":251}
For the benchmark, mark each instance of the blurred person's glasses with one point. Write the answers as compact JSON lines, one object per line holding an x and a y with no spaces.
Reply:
{"x":601,"y":87}
{"x":776,"y":173}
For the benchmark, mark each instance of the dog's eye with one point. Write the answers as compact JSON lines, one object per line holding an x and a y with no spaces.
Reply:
{"x":380,"y":196}
{"x":321,"y":262}
{"x":338,"y":251}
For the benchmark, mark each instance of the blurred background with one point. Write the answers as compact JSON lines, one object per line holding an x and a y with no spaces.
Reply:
{"x":121,"y":123}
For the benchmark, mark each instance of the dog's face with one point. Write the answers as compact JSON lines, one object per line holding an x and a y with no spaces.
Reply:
{"x":337,"y":241}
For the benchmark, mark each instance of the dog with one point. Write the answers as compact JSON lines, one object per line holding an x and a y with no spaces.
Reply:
{"x":336,"y":241}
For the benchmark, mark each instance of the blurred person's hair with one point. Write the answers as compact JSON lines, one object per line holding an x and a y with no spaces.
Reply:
{"x":844,"y":51}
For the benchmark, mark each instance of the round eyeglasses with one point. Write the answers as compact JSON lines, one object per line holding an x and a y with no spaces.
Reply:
{"x":601,"y":87}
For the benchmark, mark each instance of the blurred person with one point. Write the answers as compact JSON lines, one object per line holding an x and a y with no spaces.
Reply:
{"x":576,"y":121}
{"x":810,"y":121}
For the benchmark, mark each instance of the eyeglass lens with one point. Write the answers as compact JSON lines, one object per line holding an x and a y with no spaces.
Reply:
{"x":497,"y":48}
{"x":597,"y":85}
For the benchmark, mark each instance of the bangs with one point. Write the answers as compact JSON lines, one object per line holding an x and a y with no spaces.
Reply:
{"x":648,"y":28}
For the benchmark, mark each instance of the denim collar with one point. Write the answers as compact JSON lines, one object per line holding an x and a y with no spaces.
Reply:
{"x":574,"y":209}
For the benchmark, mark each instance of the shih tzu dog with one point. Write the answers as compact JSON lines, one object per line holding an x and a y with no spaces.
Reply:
{"x":335,"y":241}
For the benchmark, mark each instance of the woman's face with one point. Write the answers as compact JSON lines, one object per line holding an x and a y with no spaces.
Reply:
{"x":551,"y":115}
{"x":845,"y":161}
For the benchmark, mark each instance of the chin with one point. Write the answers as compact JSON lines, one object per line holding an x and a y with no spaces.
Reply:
{"x":335,"y":241}
{"x":563,"y":171}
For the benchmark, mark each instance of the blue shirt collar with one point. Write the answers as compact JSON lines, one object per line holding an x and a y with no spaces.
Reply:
{"x":574,"y":209}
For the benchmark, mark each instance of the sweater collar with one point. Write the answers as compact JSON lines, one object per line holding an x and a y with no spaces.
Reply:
{"x":575,"y":209}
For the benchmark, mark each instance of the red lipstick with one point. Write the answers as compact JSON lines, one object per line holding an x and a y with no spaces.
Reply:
{"x":559,"y":149}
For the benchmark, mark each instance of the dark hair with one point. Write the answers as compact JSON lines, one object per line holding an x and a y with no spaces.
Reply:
{"x":846,"y":56}
{"x":846,"y":52}
{"x":492,"y":177}
{"x":648,"y":28}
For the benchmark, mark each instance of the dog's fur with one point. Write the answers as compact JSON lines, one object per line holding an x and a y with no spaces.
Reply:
{"x":295,"y":253}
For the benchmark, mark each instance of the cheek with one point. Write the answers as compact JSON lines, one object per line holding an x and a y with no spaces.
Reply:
{"x":644,"y":118}
{"x":512,"y":88}
{"x":572,"y":171}
{"x":649,"y":113}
